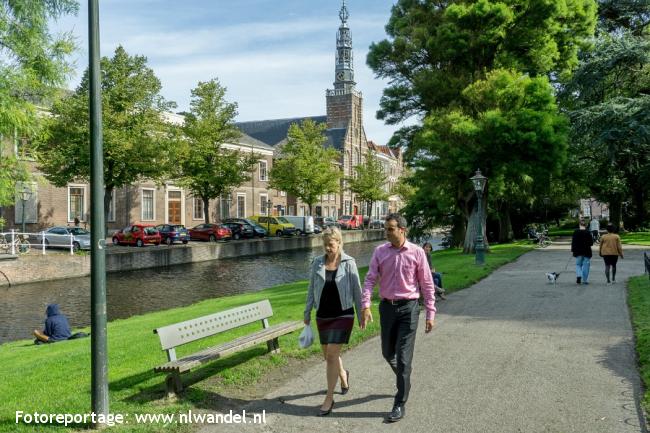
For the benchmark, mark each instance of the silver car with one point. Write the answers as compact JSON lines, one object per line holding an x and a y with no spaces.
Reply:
{"x":59,"y":237}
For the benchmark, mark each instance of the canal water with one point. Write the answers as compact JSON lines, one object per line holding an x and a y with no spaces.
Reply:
{"x":22,"y":307}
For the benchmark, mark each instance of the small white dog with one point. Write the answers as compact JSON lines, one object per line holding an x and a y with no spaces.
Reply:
{"x":552,"y":277}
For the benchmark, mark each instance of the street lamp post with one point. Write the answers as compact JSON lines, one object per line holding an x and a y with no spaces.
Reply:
{"x":25,"y":194}
{"x":269,"y":203}
{"x":479,"y":181}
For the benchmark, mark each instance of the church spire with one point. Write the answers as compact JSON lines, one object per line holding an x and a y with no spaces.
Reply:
{"x":344,"y":69}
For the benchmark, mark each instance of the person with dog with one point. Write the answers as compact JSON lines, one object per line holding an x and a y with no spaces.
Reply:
{"x":335,"y":292}
{"x":610,"y":250}
{"x":581,"y":243}
{"x":402,"y":271}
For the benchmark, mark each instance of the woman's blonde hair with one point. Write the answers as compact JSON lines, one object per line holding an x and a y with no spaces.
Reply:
{"x":333,"y":233}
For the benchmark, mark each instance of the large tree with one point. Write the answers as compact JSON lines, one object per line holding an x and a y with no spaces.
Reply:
{"x":138,"y":142}
{"x":436,"y":54}
{"x":608,"y":100}
{"x":32,"y":66}
{"x":369,"y":182}
{"x":205,"y":167}
{"x":306,"y":168}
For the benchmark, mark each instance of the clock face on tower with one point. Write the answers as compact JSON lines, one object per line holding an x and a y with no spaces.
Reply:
{"x":340,"y":75}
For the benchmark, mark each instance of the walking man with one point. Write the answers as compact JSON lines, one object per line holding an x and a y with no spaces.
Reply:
{"x":402,"y":270}
{"x":581,"y":243}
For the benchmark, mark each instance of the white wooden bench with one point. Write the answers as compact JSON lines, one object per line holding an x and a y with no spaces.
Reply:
{"x":181,"y":333}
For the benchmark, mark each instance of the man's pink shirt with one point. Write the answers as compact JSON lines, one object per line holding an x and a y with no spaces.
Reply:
{"x":403,"y":273}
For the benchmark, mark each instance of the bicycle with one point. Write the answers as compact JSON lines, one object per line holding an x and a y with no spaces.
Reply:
{"x":20,"y":244}
{"x":543,"y":240}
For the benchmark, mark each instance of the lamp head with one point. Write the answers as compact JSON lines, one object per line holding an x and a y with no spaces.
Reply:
{"x":479,"y":181}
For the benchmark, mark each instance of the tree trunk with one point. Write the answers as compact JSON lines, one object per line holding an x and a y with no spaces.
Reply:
{"x":506,"y":234}
{"x":206,"y":209}
{"x":472,"y":228}
{"x":616,"y":211}
{"x":108,"y":197}
{"x":638,"y":197}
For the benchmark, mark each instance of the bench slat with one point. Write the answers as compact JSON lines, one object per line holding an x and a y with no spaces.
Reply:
{"x":190,"y":330}
{"x":187,"y":363}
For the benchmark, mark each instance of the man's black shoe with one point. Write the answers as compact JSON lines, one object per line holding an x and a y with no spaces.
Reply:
{"x":578,"y":280}
{"x":396,"y":414}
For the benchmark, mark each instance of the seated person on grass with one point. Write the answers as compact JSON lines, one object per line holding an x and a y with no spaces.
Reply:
{"x":56,"y":329}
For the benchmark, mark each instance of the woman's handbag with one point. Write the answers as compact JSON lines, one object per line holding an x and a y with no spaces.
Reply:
{"x":306,"y":337}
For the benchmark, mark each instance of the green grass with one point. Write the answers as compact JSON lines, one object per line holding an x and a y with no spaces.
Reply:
{"x":636,"y":238}
{"x":56,"y":378}
{"x":639,"y":302}
{"x":560,"y":232}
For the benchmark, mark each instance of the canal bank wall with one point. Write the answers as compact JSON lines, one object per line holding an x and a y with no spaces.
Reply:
{"x":33,"y":267}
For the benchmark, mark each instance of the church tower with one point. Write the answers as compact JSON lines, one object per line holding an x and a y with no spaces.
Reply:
{"x":344,"y":111}
{"x":344,"y":102}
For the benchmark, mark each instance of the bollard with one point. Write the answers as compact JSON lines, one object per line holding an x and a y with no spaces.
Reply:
{"x":71,"y":244}
{"x":13,"y":242}
{"x":43,"y":241}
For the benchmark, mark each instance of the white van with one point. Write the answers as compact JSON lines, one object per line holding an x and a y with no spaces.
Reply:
{"x":304,"y":224}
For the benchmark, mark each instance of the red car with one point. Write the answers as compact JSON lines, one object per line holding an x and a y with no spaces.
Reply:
{"x":350,"y":222}
{"x":138,"y":235}
{"x":210,"y":232}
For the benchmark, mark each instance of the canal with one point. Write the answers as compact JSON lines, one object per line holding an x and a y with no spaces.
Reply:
{"x":22,"y":307}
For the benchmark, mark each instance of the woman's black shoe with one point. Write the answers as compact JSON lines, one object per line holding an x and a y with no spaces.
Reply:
{"x":326,"y":412}
{"x":347,"y":379}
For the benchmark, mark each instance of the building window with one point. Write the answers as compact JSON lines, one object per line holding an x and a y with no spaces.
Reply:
{"x":224,"y":207}
{"x":347,"y":208}
{"x":327,"y":211}
{"x":292,"y":209}
{"x":334,"y":212}
{"x":283,"y":193}
{"x":76,"y":203}
{"x":241,"y":206}
{"x":302,"y":211}
{"x":263,"y":209}
{"x":197,"y":206}
{"x":263,"y":173}
{"x":148,"y":205}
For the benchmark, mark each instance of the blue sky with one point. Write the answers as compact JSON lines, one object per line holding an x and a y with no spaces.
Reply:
{"x":276,"y":57}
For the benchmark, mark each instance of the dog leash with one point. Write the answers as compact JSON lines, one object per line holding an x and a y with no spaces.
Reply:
{"x":567,"y":264}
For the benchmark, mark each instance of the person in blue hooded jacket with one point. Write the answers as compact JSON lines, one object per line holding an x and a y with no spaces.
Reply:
{"x":57,"y":327}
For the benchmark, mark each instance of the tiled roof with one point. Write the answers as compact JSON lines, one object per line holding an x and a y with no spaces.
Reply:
{"x":393,"y":153}
{"x":274,"y":131}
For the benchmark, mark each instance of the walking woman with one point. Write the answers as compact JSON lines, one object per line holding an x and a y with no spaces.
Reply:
{"x":335,"y":292}
{"x":610,"y":249}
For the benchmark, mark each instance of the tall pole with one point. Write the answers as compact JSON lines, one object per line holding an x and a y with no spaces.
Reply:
{"x":479,"y":248}
{"x":23,"y":200}
{"x":99,"y":353}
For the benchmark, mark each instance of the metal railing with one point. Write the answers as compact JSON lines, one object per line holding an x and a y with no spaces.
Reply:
{"x":20,"y":243}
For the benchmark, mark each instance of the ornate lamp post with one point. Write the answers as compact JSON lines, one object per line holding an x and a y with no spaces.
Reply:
{"x":25,"y":194}
{"x":479,"y":181}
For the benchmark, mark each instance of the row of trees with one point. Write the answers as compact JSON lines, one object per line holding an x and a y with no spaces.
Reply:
{"x":516,"y":88}
{"x":140,"y":143}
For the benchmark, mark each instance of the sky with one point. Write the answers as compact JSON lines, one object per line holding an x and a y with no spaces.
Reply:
{"x":275,"y":57}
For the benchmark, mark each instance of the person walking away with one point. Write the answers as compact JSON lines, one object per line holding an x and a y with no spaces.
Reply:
{"x":402,"y":271}
{"x":581,"y":244}
{"x":335,"y":292}
{"x":610,"y":250}
{"x":57,"y":327}
{"x":594,"y":228}
{"x":437,"y":276}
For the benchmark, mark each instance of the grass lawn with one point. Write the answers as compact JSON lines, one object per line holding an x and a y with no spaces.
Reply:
{"x":560,"y":232}
{"x":56,"y":378}
{"x":639,"y":301}
{"x":636,"y":238}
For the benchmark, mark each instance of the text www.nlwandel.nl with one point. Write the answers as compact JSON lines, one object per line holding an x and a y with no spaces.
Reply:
{"x":112,"y":419}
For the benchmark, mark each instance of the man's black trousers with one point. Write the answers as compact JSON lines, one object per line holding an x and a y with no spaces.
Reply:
{"x":399,"y":322}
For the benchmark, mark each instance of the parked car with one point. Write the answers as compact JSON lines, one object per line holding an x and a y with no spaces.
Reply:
{"x":240,"y":230}
{"x":278,"y":226}
{"x":258,"y":230}
{"x":304,"y":224}
{"x":62,"y":237}
{"x":317,"y":229}
{"x":375,"y":223}
{"x":351,"y":222}
{"x":325,"y":222}
{"x":170,"y":233}
{"x":210,"y":232}
{"x":138,"y":235}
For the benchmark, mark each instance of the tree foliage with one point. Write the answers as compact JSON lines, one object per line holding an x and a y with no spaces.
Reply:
{"x":608,"y":100}
{"x":32,"y":66}
{"x":305,"y":168}
{"x":369,"y":182}
{"x":206,"y":168}
{"x":137,"y":141}
{"x":479,"y":75}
